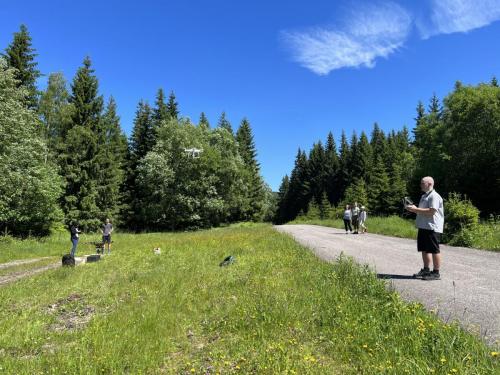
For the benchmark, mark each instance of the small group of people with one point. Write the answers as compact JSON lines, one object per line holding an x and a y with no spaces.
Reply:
{"x":356,"y":216}
{"x":75,"y":231}
{"x":429,"y":222}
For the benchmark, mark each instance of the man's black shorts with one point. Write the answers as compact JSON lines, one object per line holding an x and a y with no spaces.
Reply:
{"x":428,"y":241}
{"x":106,"y":239}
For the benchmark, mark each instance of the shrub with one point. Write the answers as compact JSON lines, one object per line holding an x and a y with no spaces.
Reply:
{"x":461,"y":220}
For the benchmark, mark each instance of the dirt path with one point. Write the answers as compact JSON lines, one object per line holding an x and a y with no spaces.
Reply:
{"x":469,"y":289}
{"x":10,"y":278}
{"x":22,"y":261}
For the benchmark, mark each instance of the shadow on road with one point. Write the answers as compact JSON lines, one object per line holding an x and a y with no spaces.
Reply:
{"x":392,"y":276}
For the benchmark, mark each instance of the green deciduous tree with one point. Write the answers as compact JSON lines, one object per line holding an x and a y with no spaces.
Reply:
{"x":55,"y":111}
{"x":29,"y":183}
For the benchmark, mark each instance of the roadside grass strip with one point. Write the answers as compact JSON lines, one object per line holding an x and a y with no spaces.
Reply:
{"x":276,"y":310}
{"x":486,"y":236}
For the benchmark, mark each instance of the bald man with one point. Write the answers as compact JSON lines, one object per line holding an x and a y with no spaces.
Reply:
{"x":430,"y":222}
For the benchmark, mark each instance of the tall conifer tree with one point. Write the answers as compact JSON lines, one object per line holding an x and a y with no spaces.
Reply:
{"x":246,"y":149}
{"x":79,"y":160}
{"x":21,"y":55}
{"x":161,"y":111}
{"x":203,"y":123}
{"x":172,"y":107}
{"x":331,"y":169}
{"x":224,"y":123}
{"x":142,"y":139}
{"x":344,"y":167}
{"x":112,"y":163}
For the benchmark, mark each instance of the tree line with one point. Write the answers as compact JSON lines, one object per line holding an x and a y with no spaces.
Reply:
{"x":65,"y":157}
{"x":456,"y":141}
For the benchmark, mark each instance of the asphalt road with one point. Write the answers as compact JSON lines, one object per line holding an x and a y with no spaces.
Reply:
{"x":469,"y":289}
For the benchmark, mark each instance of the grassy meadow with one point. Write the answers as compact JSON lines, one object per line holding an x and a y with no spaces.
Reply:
{"x":276,"y":310}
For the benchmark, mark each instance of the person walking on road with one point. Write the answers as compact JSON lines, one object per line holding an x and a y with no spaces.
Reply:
{"x":355,"y":217}
{"x":347,"y":219}
{"x":362,"y":219}
{"x":430,"y":223}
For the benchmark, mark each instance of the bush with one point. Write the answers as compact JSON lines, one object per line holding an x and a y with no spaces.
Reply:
{"x":461,"y":220}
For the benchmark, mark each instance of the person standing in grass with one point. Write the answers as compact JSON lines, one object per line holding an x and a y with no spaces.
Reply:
{"x":362,"y":219}
{"x":75,"y":234}
{"x":355,"y":217}
{"x":430,"y":223}
{"x":107,"y":229}
{"x":347,"y":219}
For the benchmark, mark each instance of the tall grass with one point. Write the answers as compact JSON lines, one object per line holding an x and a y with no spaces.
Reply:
{"x":277,"y":310}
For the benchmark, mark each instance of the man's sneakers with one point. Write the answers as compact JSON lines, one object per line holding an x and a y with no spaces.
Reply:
{"x":426,"y":274}
{"x":422,"y":273}
{"x":434,"y":275}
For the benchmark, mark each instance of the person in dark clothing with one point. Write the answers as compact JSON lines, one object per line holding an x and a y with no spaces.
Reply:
{"x":75,"y":232}
{"x":347,"y":219}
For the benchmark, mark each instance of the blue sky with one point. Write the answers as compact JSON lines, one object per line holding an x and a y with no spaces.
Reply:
{"x":296,"y":70}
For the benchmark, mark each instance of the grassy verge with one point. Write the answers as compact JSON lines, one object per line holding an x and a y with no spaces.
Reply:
{"x":278,"y":309}
{"x":485,"y":236}
{"x":391,"y":226}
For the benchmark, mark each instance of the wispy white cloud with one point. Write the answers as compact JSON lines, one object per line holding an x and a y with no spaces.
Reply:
{"x":450,"y":16}
{"x":369,"y":33}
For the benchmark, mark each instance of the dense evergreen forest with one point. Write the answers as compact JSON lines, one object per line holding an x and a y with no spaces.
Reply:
{"x":457,"y":142}
{"x":65,"y":157}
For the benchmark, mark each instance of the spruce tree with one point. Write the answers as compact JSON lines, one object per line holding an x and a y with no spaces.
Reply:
{"x":299,"y":191}
{"x":112,"y":163}
{"x":203,"y":123}
{"x":172,"y":107}
{"x":378,"y":142}
{"x":325,"y":209}
{"x":224,"y":123}
{"x":21,"y":55}
{"x":344,"y":172}
{"x":141,"y":143}
{"x":397,"y":187}
{"x":434,"y":106}
{"x":246,"y":146}
{"x":494,"y":81}
{"x":317,"y":171}
{"x":282,"y":210}
{"x":161,"y":111}
{"x":361,"y":163}
{"x":356,"y":192}
{"x":420,"y":113}
{"x":81,"y":145}
{"x":246,"y":149}
{"x":331,"y":170}
{"x":378,"y":187}
{"x":143,"y":136}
